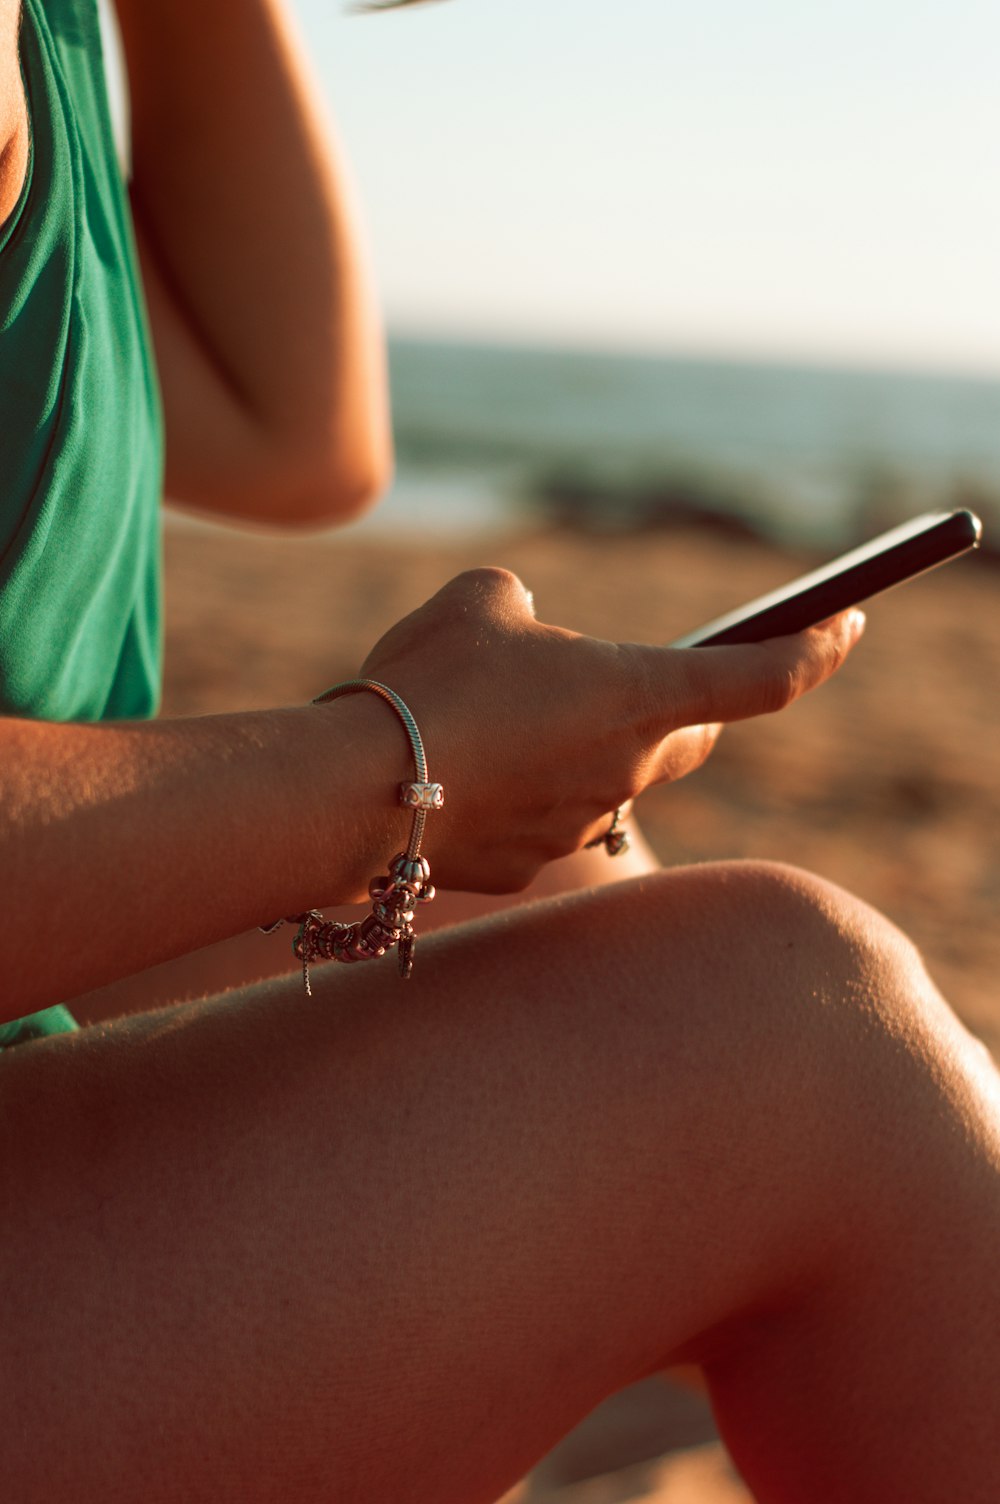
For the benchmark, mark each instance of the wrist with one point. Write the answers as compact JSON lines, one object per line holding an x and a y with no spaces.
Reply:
{"x":395,"y":895}
{"x":350,"y":757}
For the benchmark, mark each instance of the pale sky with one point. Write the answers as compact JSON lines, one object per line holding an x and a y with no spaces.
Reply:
{"x":767,"y":178}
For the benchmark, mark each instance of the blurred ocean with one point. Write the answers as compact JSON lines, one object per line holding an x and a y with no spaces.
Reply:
{"x":490,"y":437}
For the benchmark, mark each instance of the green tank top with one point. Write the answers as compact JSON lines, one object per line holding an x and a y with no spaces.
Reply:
{"x":81,"y":442}
{"x":81,"y":433}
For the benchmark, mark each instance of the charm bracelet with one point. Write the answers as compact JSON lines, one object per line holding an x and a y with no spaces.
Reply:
{"x":394,"y":895}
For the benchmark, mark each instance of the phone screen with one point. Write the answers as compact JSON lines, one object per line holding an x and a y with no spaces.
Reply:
{"x":890,"y":559}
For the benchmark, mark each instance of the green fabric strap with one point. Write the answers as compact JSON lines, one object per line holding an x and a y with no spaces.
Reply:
{"x":57,"y":1020}
{"x":81,"y":443}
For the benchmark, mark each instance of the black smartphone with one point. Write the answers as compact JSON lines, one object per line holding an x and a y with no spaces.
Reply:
{"x":888,"y":560}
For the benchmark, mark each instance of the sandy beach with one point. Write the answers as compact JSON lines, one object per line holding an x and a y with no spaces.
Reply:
{"x":887,"y":781}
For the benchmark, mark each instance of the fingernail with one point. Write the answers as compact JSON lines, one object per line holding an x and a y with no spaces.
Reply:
{"x":857,"y":621}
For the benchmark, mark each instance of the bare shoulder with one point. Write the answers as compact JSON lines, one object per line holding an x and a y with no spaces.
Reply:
{"x":13,"y":112}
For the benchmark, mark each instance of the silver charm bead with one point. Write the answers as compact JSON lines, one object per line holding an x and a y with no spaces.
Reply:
{"x":425,"y":796}
{"x":411,"y":872}
{"x":377,"y":936}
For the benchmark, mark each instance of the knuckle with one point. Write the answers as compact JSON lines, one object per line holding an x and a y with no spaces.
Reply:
{"x":649,"y":705}
{"x":842,"y":648}
{"x":695,"y":687}
{"x":783,"y":686}
{"x":489,"y":580}
{"x":636,"y":679}
{"x":828,"y":648}
{"x":490,"y":593}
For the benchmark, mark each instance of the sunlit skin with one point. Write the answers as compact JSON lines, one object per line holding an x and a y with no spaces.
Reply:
{"x":391,"y":1242}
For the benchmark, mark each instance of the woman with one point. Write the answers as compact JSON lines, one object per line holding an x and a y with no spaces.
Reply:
{"x":387,"y":1240}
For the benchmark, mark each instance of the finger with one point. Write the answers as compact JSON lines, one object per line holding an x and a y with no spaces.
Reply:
{"x":734,"y":683}
{"x":682,"y":752}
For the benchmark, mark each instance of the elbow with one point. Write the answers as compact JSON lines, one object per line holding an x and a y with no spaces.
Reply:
{"x":291,"y":477}
{"x":286,"y":489}
{"x":328,"y":475}
{"x":335,"y":492}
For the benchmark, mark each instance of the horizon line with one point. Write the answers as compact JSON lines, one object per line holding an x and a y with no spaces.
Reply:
{"x":856,"y":362}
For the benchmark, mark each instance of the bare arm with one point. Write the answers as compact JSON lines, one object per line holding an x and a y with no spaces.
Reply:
{"x":268,"y":344}
{"x":13,"y":114}
{"x":123,"y":845}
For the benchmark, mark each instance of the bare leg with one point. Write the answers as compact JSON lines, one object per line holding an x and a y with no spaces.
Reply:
{"x":392,"y":1243}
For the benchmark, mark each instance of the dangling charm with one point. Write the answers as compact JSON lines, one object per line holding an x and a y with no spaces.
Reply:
{"x":407,"y":945}
{"x":615,"y":839}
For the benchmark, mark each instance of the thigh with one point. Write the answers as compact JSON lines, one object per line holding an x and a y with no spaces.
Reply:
{"x":394,"y":1241}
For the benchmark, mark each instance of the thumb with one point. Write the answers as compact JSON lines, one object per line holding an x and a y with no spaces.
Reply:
{"x":734,"y":683}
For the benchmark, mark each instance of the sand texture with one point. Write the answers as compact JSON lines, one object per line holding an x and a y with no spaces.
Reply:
{"x":887,"y":781}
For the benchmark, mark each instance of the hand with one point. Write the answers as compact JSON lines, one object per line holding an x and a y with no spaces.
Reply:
{"x":537,"y":733}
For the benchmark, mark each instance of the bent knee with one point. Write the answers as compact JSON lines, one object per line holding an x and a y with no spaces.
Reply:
{"x":839,"y":930}
{"x":864,"y":962}
{"x":848,"y":991}
{"x":802,"y":974}
{"x":794,"y":930}
{"x":815,"y":985}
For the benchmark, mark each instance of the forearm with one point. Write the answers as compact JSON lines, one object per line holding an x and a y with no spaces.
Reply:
{"x":248,"y":229}
{"x":125,"y":845}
